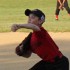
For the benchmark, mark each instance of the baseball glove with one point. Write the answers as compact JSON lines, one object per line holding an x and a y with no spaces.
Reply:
{"x":23,"y":49}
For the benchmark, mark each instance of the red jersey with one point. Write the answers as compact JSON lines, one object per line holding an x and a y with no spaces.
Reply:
{"x":44,"y":46}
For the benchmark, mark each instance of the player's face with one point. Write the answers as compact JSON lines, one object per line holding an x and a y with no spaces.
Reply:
{"x":33,"y":19}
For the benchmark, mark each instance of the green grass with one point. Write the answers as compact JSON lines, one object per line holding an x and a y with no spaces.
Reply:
{"x":12,"y":11}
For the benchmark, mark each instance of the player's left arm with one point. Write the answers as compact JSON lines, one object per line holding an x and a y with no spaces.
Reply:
{"x":64,"y":1}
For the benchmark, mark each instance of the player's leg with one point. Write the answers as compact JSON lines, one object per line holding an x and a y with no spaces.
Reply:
{"x":57,"y":11}
{"x":59,"y":64}
{"x":65,"y":65}
{"x":42,"y":65}
{"x":62,"y":64}
{"x":67,"y":7}
{"x":39,"y":66}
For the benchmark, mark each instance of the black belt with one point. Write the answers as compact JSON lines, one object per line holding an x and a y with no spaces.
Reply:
{"x":57,"y":58}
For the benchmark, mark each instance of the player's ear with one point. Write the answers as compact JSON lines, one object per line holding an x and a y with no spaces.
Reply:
{"x":40,"y":21}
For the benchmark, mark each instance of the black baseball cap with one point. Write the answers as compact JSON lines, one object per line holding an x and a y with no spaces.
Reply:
{"x":36,"y":12}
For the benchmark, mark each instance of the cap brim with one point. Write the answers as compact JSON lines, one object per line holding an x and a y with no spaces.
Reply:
{"x":27,"y":12}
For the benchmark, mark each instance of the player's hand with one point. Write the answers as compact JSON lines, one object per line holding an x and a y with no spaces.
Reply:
{"x":14,"y":27}
{"x":61,"y":7}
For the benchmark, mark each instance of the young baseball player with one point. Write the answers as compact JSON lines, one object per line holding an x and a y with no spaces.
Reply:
{"x":42,"y":44}
{"x":61,"y":4}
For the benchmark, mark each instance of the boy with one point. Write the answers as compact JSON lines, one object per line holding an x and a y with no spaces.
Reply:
{"x":61,"y":4}
{"x":42,"y":44}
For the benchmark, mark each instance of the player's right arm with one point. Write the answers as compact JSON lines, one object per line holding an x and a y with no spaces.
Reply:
{"x":27,"y":26}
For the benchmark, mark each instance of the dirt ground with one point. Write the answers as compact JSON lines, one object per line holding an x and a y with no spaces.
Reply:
{"x":10,"y":61}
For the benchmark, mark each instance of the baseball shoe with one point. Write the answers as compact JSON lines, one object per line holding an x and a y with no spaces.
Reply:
{"x":56,"y":17}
